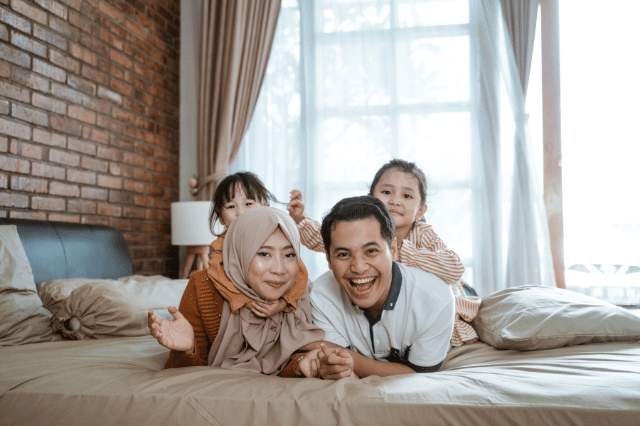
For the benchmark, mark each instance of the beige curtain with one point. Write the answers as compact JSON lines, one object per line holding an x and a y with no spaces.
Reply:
{"x":235,"y":45}
{"x":525,"y":254}
{"x":520,"y":18}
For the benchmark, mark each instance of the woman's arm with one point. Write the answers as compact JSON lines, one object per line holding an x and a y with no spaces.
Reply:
{"x":190,"y":308}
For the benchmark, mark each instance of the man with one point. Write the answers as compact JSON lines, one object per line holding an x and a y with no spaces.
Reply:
{"x":393,"y":319}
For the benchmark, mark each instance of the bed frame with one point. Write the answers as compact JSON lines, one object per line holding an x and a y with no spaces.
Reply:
{"x":69,"y":250}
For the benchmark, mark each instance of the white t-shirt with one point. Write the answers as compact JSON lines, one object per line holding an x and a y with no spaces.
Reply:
{"x":415,"y":325}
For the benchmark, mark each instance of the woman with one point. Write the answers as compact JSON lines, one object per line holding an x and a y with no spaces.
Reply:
{"x":258,"y":260}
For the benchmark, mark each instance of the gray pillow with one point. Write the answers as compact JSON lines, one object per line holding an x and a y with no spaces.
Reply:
{"x":531,"y":317}
{"x":23,"y":319}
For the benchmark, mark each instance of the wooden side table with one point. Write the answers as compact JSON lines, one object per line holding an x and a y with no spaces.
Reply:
{"x":195,"y":253}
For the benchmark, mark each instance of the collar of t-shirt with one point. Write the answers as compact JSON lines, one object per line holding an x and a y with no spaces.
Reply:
{"x":392,"y":297}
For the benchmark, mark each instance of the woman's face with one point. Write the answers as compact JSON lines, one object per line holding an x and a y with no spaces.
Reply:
{"x":274,"y":268}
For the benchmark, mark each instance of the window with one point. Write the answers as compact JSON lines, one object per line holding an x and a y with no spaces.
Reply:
{"x":353,"y":83}
{"x":600,"y":65}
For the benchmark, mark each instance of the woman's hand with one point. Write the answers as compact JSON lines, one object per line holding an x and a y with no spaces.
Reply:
{"x":308,"y":365}
{"x":267,"y":309}
{"x":334,"y":363}
{"x":296,"y":206}
{"x":174,"y":334}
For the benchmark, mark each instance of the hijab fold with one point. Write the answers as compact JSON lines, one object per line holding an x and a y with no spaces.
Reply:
{"x":245,"y":341}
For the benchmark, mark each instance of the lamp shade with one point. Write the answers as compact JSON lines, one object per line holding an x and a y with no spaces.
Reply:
{"x":190,"y":223}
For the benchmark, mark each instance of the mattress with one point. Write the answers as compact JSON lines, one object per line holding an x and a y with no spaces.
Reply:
{"x":121,"y":381}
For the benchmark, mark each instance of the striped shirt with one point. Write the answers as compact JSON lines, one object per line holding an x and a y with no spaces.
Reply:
{"x":424,"y":250}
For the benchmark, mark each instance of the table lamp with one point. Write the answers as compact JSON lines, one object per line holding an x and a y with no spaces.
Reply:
{"x":190,"y":228}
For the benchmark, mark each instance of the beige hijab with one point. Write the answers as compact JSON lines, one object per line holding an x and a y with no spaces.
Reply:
{"x":245,"y":341}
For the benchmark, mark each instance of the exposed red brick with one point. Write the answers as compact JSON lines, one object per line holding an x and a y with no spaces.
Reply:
{"x":94,"y":193}
{"x":104,"y":73}
{"x":27,"y":150}
{"x":61,"y":217}
{"x":81,"y":146}
{"x":96,"y":105}
{"x":16,"y":214}
{"x":95,"y":164}
{"x":66,"y":93}
{"x":49,"y":103}
{"x":49,"y":36}
{"x":48,"y":171}
{"x":82,"y":114}
{"x":64,"y":157}
{"x":83,"y":54}
{"x":66,"y":125}
{"x":94,"y":75}
{"x":48,"y":138}
{"x":48,"y":203}
{"x":109,"y":153}
{"x":82,"y":206}
{"x":109,"y":209}
{"x":29,"y":114}
{"x":14,"y":128}
{"x":63,"y":27}
{"x":28,"y":184}
{"x":81,"y":176}
{"x":11,"y":199}
{"x":14,"y":92}
{"x":111,"y":182}
{"x":49,"y":70}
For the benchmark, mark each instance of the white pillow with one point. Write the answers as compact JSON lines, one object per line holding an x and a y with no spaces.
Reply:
{"x":23,"y":319}
{"x":115,"y":308}
{"x":531,"y":317}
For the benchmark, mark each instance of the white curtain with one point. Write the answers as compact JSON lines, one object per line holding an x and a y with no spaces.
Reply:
{"x":352,"y":84}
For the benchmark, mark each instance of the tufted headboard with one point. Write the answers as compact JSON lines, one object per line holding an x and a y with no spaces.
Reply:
{"x":69,"y":250}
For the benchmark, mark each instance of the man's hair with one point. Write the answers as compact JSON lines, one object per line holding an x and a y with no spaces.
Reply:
{"x":357,"y":208}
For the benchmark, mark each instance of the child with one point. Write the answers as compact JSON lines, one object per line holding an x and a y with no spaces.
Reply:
{"x":236,"y":194}
{"x":402,"y":187}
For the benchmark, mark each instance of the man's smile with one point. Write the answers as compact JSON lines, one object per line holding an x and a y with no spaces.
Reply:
{"x":362,"y":286}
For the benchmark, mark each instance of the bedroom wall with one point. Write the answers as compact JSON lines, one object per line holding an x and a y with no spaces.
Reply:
{"x":89,"y":117}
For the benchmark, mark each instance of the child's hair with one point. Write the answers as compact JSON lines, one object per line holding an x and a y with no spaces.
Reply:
{"x":246,"y":181}
{"x":357,"y":208}
{"x":406,"y":167}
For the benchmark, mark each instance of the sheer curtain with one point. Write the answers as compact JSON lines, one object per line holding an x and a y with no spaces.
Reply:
{"x":353,"y":83}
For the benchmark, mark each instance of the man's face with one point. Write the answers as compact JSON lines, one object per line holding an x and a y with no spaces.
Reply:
{"x":361,"y":260}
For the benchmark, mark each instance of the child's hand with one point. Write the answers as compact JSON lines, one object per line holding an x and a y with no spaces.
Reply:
{"x":296,"y":206}
{"x":308,"y":366}
{"x":267,"y":309}
{"x":335,"y":363}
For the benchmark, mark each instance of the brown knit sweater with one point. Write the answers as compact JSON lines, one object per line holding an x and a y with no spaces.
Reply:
{"x":201,"y":305}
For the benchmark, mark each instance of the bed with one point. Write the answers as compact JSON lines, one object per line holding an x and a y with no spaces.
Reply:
{"x":580,"y":366}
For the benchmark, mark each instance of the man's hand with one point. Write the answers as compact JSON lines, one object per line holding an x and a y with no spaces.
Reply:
{"x":335,"y":363}
{"x":296,"y":206}
{"x":267,"y":309}
{"x":174,"y":334}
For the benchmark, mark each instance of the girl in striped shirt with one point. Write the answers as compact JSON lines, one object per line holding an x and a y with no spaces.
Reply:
{"x":402,"y":187}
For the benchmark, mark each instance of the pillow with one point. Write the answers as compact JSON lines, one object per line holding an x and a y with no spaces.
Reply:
{"x":531,"y":318}
{"x":101,"y":309}
{"x":23,"y":318}
{"x":53,"y":292}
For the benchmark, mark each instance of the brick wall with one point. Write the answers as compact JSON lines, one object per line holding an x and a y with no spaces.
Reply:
{"x":89,"y":113}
